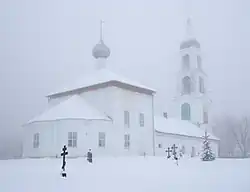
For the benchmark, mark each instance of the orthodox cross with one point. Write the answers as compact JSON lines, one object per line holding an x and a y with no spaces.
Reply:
{"x":174,"y":147}
{"x":169,"y":151}
{"x":63,"y":154}
{"x":101,"y":30}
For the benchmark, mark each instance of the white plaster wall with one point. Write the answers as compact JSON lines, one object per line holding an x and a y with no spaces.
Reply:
{"x":114,"y":101}
{"x":54,"y":135}
{"x":103,"y":99}
{"x":193,"y":53}
{"x":135,"y":103}
{"x":167,"y":140}
{"x":46,"y":140}
{"x":195,"y":99}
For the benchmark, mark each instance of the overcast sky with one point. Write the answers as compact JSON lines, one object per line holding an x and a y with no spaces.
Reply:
{"x":46,"y":43}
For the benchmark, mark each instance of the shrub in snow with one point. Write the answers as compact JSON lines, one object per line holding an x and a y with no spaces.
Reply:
{"x":207,"y":154}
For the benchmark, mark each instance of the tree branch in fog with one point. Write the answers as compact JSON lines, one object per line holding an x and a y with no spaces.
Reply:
{"x":241,"y":135}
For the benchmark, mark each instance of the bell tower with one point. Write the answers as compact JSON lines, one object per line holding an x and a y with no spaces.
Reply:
{"x":192,"y":103}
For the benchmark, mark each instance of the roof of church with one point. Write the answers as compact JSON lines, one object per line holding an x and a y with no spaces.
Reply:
{"x":73,"y":108}
{"x":99,"y":77}
{"x":179,"y":127}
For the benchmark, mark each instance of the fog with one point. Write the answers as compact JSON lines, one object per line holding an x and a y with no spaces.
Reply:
{"x":46,"y":43}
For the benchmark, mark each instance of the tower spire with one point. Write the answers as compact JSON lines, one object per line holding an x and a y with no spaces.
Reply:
{"x":189,"y":29}
{"x":189,"y":26}
{"x":101,"y":30}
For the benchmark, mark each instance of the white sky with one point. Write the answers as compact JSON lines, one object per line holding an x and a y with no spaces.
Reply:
{"x":45,"y":43}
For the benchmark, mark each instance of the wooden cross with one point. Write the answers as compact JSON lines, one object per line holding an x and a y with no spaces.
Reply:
{"x":63,"y":154}
{"x":169,"y":151}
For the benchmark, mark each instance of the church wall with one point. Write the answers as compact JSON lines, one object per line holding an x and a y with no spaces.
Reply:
{"x":54,"y":135}
{"x":196,"y":108}
{"x":46,"y":139}
{"x":114,"y":101}
{"x":102,"y":99}
{"x":167,"y":140}
{"x":87,"y":137}
{"x":135,"y":103}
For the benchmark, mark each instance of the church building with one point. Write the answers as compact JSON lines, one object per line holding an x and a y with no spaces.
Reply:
{"x":114,"y":116}
{"x":188,"y":118}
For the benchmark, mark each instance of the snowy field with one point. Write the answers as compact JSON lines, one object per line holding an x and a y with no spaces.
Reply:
{"x":130,"y":174}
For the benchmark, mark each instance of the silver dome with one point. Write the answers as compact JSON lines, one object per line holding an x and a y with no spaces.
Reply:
{"x":101,"y":50}
{"x":190,"y":43}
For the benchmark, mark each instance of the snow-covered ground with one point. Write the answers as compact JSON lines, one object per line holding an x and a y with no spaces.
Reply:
{"x":127,"y":174}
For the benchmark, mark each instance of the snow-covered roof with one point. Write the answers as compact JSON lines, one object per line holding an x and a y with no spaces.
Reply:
{"x":179,"y":127}
{"x":73,"y":108}
{"x":98,"y":77}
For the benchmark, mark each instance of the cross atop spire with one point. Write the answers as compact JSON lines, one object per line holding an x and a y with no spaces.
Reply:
{"x":189,"y":29}
{"x":101,"y":30}
{"x":101,"y":50}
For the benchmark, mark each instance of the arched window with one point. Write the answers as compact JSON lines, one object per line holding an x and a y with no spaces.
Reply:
{"x":186,"y":62}
{"x":185,"y":111}
{"x":186,"y":85}
{"x":201,"y":85}
{"x":199,"y":62}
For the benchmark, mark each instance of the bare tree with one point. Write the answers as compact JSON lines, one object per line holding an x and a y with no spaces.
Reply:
{"x":241,"y":135}
{"x":222,"y":129}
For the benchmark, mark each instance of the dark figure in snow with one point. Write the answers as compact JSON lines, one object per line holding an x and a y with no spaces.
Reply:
{"x":180,"y":154}
{"x":89,"y":156}
{"x":63,"y":154}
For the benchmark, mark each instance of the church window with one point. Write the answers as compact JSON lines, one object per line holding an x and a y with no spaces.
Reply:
{"x":141,"y":120}
{"x":205,"y":116}
{"x":186,"y":62}
{"x":159,"y":145}
{"x":126,"y":141}
{"x":201,"y":85}
{"x":183,"y":150}
{"x":36,"y":140}
{"x":186,"y":85}
{"x":185,"y":111}
{"x":193,"y":152}
{"x":72,"y":139}
{"x":126,"y":118}
{"x":101,"y":139}
{"x":199,"y":62}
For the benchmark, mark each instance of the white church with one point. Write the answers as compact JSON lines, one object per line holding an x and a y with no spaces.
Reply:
{"x":115,"y":116}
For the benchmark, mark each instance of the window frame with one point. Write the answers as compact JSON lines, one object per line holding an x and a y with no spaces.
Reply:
{"x":102,"y":139}
{"x":142,"y":119}
{"x":36,"y":140}
{"x":186,"y":61}
{"x":199,"y":61}
{"x":205,"y":116}
{"x":201,"y":85}
{"x":72,"y":139}
{"x":186,"y":85}
{"x":184,"y":110}
{"x":127,"y":140}
{"x":126,"y":117}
